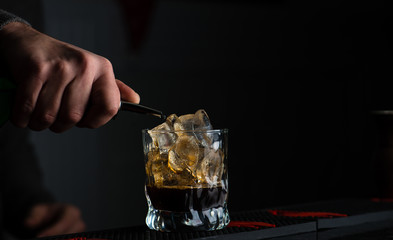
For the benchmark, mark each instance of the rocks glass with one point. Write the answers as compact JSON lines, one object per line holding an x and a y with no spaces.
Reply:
{"x":186,"y":179}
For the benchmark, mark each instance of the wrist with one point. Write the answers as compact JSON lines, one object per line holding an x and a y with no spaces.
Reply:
{"x":9,"y":35}
{"x":12,"y":34}
{"x":12,"y":29}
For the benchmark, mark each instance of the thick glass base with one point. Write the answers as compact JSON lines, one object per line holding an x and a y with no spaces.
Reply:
{"x":204,"y":220}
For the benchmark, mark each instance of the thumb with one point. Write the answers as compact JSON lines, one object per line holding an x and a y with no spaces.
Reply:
{"x":127,"y":93}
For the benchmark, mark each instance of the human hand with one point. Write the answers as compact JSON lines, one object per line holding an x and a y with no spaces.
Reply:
{"x":54,"y":219}
{"x":59,"y":85}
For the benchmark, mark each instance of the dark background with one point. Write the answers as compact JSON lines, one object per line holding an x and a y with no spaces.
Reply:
{"x":293,"y":81}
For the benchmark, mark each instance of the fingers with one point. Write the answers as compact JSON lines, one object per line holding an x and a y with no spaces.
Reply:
{"x":69,"y":221}
{"x":78,"y":90}
{"x":74,"y":104}
{"x":25,"y":100}
{"x":40,"y":215}
{"x":47,"y":106}
{"x":55,"y":219}
{"x":104,"y":102}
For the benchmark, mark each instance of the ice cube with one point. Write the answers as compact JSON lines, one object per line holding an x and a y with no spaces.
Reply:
{"x":185,"y":178}
{"x":155,"y":167}
{"x":170,"y":120}
{"x":202,"y":124}
{"x":194,"y":125}
{"x":210,"y":168}
{"x":191,"y":122}
{"x":175,"y":163}
{"x":158,"y":171}
{"x":201,"y":121}
{"x":184,"y":123}
{"x":184,"y":155}
{"x":163,"y":137}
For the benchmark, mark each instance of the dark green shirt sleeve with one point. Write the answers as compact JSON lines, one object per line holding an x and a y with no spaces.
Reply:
{"x":7,"y":17}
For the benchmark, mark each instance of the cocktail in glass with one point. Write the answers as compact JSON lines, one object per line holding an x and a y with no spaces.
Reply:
{"x":186,"y":176}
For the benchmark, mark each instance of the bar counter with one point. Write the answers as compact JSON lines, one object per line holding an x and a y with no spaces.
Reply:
{"x":343,"y":219}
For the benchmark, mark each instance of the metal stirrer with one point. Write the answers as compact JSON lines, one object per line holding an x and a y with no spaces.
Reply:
{"x":127,"y":106}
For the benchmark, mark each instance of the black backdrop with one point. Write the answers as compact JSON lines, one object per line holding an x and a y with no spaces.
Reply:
{"x":293,"y":81}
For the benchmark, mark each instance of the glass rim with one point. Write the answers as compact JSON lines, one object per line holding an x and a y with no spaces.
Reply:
{"x":223,"y":130}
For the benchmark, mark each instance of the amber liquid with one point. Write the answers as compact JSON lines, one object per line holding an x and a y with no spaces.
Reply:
{"x":182,"y":200}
